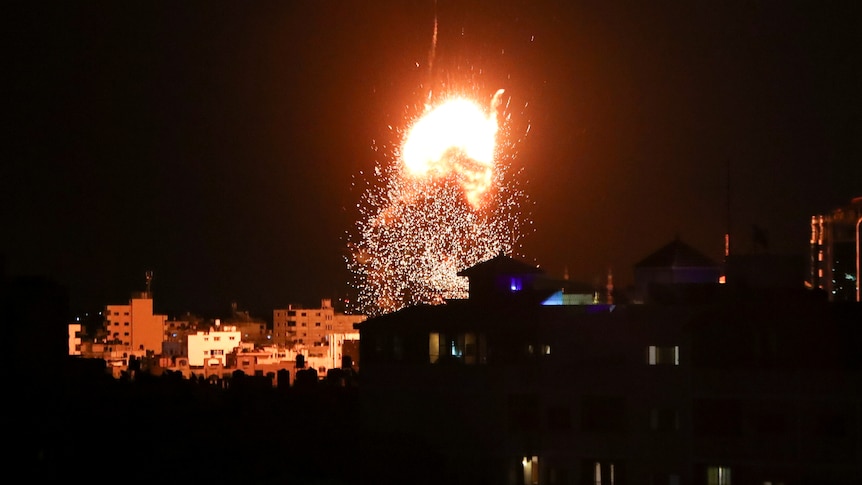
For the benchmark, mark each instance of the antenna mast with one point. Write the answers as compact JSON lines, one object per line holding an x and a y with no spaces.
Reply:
{"x":149,"y":279}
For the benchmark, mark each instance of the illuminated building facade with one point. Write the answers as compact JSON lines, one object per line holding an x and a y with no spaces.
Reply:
{"x":75,"y":338}
{"x":135,"y":326}
{"x":836,"y":253}
{"x":213,"y":347}
{"x":310,"y":326}
{"x":723,"y":388}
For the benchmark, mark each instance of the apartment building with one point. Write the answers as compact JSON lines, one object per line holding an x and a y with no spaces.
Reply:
{"x":134,"y":326}
{"x":213,"y":346}
{"x":310,"y":326}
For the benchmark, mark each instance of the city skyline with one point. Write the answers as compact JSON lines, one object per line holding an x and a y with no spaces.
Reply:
{"x":217,"y":144}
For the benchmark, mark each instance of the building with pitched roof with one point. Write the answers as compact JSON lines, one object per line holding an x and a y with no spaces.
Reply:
{"x":672,"y":266}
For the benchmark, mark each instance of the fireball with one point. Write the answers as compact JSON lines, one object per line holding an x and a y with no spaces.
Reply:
{"x":456,"y":139}
{"x":445,"y":201}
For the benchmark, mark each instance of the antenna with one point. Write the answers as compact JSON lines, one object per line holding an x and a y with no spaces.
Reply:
{"x":727,"y":201}
{"x":149,"y":279}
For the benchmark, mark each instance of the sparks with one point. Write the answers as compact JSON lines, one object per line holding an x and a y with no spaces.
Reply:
{"x":444,"y":201}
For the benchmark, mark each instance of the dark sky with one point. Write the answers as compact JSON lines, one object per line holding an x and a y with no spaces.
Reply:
{"x":215,"y":142}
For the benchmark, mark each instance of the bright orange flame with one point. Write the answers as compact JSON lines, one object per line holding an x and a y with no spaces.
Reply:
{"x":457,"y":138}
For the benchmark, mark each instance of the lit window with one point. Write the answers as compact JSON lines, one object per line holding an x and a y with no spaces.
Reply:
{"x":547,"y":350}
{"x":663,"y":355}
{"x":469,"y":348}
{"x":515,"y":284}
{"x":598,"y":468}
{"x":531,"y":470}
{"x":718,"y":475}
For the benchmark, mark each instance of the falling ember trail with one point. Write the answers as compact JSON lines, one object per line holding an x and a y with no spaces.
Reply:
{"x":432,"y":53}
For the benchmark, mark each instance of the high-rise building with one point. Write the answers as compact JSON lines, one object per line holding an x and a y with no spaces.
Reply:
{"x":835,"y":252}
{"x":135,"y":326}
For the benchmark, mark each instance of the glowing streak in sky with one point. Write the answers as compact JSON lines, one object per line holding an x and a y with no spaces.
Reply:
{"x":444,"y":201}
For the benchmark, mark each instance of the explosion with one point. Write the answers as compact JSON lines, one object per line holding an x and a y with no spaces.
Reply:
{"x":444,"y":202}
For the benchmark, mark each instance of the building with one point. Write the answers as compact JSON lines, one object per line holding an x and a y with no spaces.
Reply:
{"x":675,"y":265}
{"x":253,"y":329}
{"x":836,"y":253}
{"x":206,"y":348}
{"x":75,"y":339}
{"x":135,"y":327}
{"x":720,"y":386}
{"x":310,"y":326}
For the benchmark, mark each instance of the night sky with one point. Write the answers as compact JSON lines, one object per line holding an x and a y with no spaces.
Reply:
{"x":216,"y":143}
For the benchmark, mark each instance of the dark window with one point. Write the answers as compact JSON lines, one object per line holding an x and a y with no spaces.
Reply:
{"x":664,"y":419}
{"x":831,"y":425}
{"x":717,"y":417}
{"x":523,"y":412}
{"x":559,"y":418}
{"x":603,"y":414}
{"x":770,"y":422}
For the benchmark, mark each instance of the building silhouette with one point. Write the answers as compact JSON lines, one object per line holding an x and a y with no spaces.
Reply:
{"x":673,"y":266}
{"x":732,"y":383}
